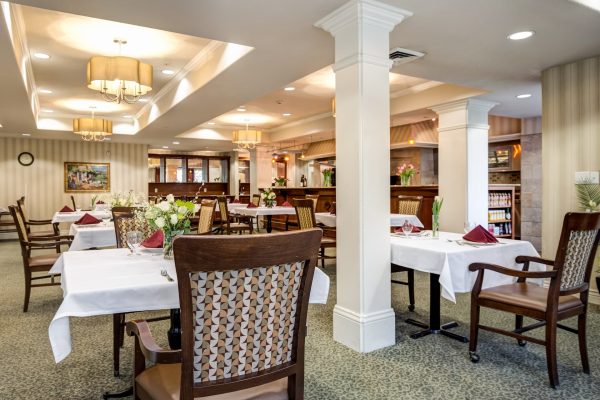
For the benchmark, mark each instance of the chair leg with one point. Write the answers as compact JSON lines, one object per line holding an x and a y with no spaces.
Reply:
{"x":474,"y":332}
{"x":581,"y":320}
{"x":322,"y":257}
{"x":296,"y":386}
{"x":519,"y":325}
{"x":411,"y":289}
{"x":117,"y":329}
{"x":551,"y":353}
{"x":27,"y":290}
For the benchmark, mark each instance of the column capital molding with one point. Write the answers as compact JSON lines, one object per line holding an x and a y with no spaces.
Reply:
{"x":371,"y":12}
{"x":362,"y":59}
{"x":464,"y":104}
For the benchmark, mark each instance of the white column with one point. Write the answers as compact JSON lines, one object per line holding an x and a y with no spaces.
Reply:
{"x":253,"y":172}
{"x":234,"y":176}
{"x":363,"y":318}
{"x":463,"y":162}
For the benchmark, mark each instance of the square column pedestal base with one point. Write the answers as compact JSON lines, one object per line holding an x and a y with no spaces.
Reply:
{"x":364,"y":333}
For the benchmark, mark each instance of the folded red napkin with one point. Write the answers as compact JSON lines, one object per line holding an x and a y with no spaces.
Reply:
{"x":87,"y":219}
{"x":252,"y":205}
{"x":415,"y":229}
{"x":99,"y":202}
{"x":66,"y":209}
{"x":286,"y":204}
{"x":236,"y":200}
{"x":155,"y":241}
{"x":480,"y":235}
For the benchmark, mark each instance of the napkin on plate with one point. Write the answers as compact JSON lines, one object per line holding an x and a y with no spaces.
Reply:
{"x":236,"y":201}
{"x":480,"y":235}
{"x":252,"y":205}
{"x":286,"y":204}
{"x":87,"y":219}
{"x":66,"y":209}
{"x":415,"y":229}
{"x":155,"y":240}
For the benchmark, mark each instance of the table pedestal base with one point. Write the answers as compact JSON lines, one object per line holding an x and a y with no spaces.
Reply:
{"x":118,"y":395}
{"x":434,"y":327}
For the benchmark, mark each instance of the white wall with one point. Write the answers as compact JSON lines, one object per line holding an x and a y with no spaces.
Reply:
{"x":42,"y":183}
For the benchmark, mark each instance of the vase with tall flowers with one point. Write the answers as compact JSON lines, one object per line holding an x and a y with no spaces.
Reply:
{"x":327,"y":177}
{"x":269,"y":197}
{"x":435,"y":212}
{"x":406,"y":172}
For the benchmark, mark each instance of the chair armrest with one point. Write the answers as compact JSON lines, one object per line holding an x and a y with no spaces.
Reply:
{"x":47,"y":245}
{"x":511,"y":272}
{"x":50,"y":238}
{"x":528,"y":259}
{"x":39,"y":222}
{"x":152,"y":352}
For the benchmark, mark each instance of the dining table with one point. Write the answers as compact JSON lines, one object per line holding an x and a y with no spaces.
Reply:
{"x":330,"y":220}
{"x":92,"y":236}
{"x":60,"y":217}
{"x":446,"y":259}
{"x":266,"y":212}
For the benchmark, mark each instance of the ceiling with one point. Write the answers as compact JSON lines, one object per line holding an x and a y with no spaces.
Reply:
{"x":464,"y":42}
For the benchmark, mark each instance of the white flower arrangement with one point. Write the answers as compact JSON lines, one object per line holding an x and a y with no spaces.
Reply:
{"x":171,"y":215}
{"x":128,"y":199}
{"x":268,"y":196}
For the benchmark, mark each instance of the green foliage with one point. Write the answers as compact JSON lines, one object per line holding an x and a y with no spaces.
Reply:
{"x":588,"y":196}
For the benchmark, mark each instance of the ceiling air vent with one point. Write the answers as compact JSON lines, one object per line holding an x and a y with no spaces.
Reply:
{"x":401,"y":56}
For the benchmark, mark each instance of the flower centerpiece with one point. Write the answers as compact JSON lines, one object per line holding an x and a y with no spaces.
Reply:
{"x":119,"y":199}
{"x":172,"y":217}
{"x":327,"y":177}
{"x":280,"y":181}
{"x":268,"y":196}
{"x":435,"y":211}
{"x":405,"y":172}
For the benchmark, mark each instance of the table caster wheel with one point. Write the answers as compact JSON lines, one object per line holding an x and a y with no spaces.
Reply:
{"x":411,"y":307}
{"x":474,"y":357}
{"x":521,"y":343}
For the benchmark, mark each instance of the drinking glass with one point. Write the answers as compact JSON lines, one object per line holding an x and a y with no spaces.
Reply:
{"x":134,"y":238}
{"x":105,"y":219}
{"x":469,"y":226}
{"x":407,"y":228}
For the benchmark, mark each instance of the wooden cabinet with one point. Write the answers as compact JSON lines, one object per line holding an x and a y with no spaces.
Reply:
{"x":501,"y":211}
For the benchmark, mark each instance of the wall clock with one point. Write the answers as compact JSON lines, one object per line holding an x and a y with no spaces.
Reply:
{"x":25,"y":159}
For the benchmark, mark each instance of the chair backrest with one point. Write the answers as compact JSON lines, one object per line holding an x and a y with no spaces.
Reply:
{"x":256,"y":199}
{"x":73,"y":202}
{"x":126,"y":221}
{"x":305,"y":213}
{"x":409,"y":205}
{"x":206,"y":214}
{"x":223,"y":210}
{"x":332,"y":209}
{"x":576,"y":252}
{"x":23,"y":210}
{"x":314,"y":198}
{"x":259,"y":287}
{"x":20,"y":224}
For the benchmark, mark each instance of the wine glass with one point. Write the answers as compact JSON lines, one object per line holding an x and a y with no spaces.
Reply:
{"x":469,"y":226}
{"x":407,"y":227}
{"x":105,"y":219}
{"x":134,"y":238}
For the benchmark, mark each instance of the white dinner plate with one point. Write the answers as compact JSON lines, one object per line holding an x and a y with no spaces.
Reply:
{"x":151,"y":249}
{"x":479,"y":243}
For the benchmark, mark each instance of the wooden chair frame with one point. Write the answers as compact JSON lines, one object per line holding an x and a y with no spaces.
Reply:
{"x":223,"y":253}
{"x":36,"y":222}
{"x":326,"y":242}
{"x":206,"y":230}
{"x":228,"y":219}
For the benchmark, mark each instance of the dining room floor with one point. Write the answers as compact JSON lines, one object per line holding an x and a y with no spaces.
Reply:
{"x":433,"y":367}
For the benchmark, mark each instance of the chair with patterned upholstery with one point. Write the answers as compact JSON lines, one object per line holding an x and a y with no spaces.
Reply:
{"x":305,"y":213}
{"x":206,"y":215}
{"x":253,"y":347}
{"x":233,"y":223}
{"x":40,"y":263}
{"x":36,"y":222}
{"x":408,"y":205}
{"x":565,"y":297}
{"x":291,"y":220}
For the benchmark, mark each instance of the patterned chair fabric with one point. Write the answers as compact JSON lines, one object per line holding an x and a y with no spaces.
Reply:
{"x":20,"y":223}
{"x":130,"y":224}
{"x":205,"y":219}
{"x":223,"y":208}
{"x":408,"y":207}
{"x":256,"y":199}
{"x":243,"y":319}
{"x":314,"y":198}
{"x":305,"y":217}
{"x":579,"y":250}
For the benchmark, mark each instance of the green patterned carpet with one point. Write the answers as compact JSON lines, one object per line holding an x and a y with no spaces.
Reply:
{"x":429,"y":368}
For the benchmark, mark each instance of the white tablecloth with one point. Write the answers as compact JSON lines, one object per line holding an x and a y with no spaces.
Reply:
{"x":328,"y":219}
{"x":101,"y":282}
{"x":74,"y":216}
{"x":233,"y":207}
{"x":88,"y":236}
{"x":253,"y":212}
{"x":451,"y":260}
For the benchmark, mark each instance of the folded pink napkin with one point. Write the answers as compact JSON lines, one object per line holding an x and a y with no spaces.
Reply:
{"x":415,"y":229}
{"x":87,"y":219}
{"x":99,"y":202}
{"x":480,"y":235}
{"x":252,"y":205}
{"x":286,"y":204}
{"x":236,"y":200}
{"x":155,"y":241}
{"x":66,"y":209}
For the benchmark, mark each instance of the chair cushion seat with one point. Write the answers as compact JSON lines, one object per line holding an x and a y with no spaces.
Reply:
{"x":47,"y":260}
{"x":162,"y":381}
{"x":527,"y":295}
{"x":41,"y":233}
{"x":328,"y":241}
{"x":238,"y":225}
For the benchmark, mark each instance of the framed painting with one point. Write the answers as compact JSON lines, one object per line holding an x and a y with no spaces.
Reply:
{"x":87,"y":177}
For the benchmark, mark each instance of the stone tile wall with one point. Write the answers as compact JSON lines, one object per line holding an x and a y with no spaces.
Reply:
{"x":531,"y":189}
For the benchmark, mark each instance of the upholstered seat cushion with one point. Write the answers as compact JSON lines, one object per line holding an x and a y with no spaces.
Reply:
{"x":162,"y":382}
{"x":527,"y":295}
{"x":41,"y":233}
{"x":327,"y":242}
{"x":238,"y":225}
{"x":47,"y":260}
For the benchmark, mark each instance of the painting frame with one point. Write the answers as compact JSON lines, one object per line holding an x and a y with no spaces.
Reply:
{"x":96,"y":175}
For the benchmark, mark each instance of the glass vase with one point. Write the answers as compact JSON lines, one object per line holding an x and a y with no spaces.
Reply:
{"x":435,"y":225}
{"x":405,"y":180}
{"x":269,"y":203}
{"x":326,"y":180}
{"x":168,"y":243}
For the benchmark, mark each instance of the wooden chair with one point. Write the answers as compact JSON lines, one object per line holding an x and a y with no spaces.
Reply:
{"x":233,"y":223}
{"x":566,"y":296}
{"x":306,"y":220}
{"x":55,"y":231}
{"x":256,"y":201}
{"x":219,"y":273}
{"x":73,"y":202}
{"x":292,"y":220}
{"x":33,"y":264}
{"x":7,"y":224}
{"x":206,"y":216}
{"x":408,"y":205}
{"x":125,"y":221}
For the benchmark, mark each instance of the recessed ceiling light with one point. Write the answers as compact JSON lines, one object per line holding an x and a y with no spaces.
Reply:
{"x":0,"y":125}
{"x":107,"y":138}
{"x":289,"y":89}
{"x":175,"y":142}
{"x":25,"y":134}
{"x":165,"y":147}
{"x":241,"y":109}
{"x":286,"y":114}
{"x":46,"y":110}
{"x":45,"y":91}
{"x":520,"y":35}
{"x":126,"y":116}
{"x":524,"y":96}
{"x":211,"y":123}
{"x":41,"y":56}
{"x":168,"y":72}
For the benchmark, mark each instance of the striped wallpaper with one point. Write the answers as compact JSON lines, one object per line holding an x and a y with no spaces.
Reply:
{"x":42,"y":183}
{"x":570,"y":139}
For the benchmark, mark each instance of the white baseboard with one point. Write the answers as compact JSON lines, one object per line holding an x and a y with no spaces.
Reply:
{"x":364,"y":332}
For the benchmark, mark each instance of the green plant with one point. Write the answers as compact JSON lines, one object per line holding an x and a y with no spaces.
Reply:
{"x":588,"y":195}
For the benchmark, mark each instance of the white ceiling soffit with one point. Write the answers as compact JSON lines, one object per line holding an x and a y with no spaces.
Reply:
{"x":593,"y":4}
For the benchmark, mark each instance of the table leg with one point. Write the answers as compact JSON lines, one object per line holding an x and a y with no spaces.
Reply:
{"x":174,"y":336}
{"x":269,"y":223}
{"x":435,"y":326}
